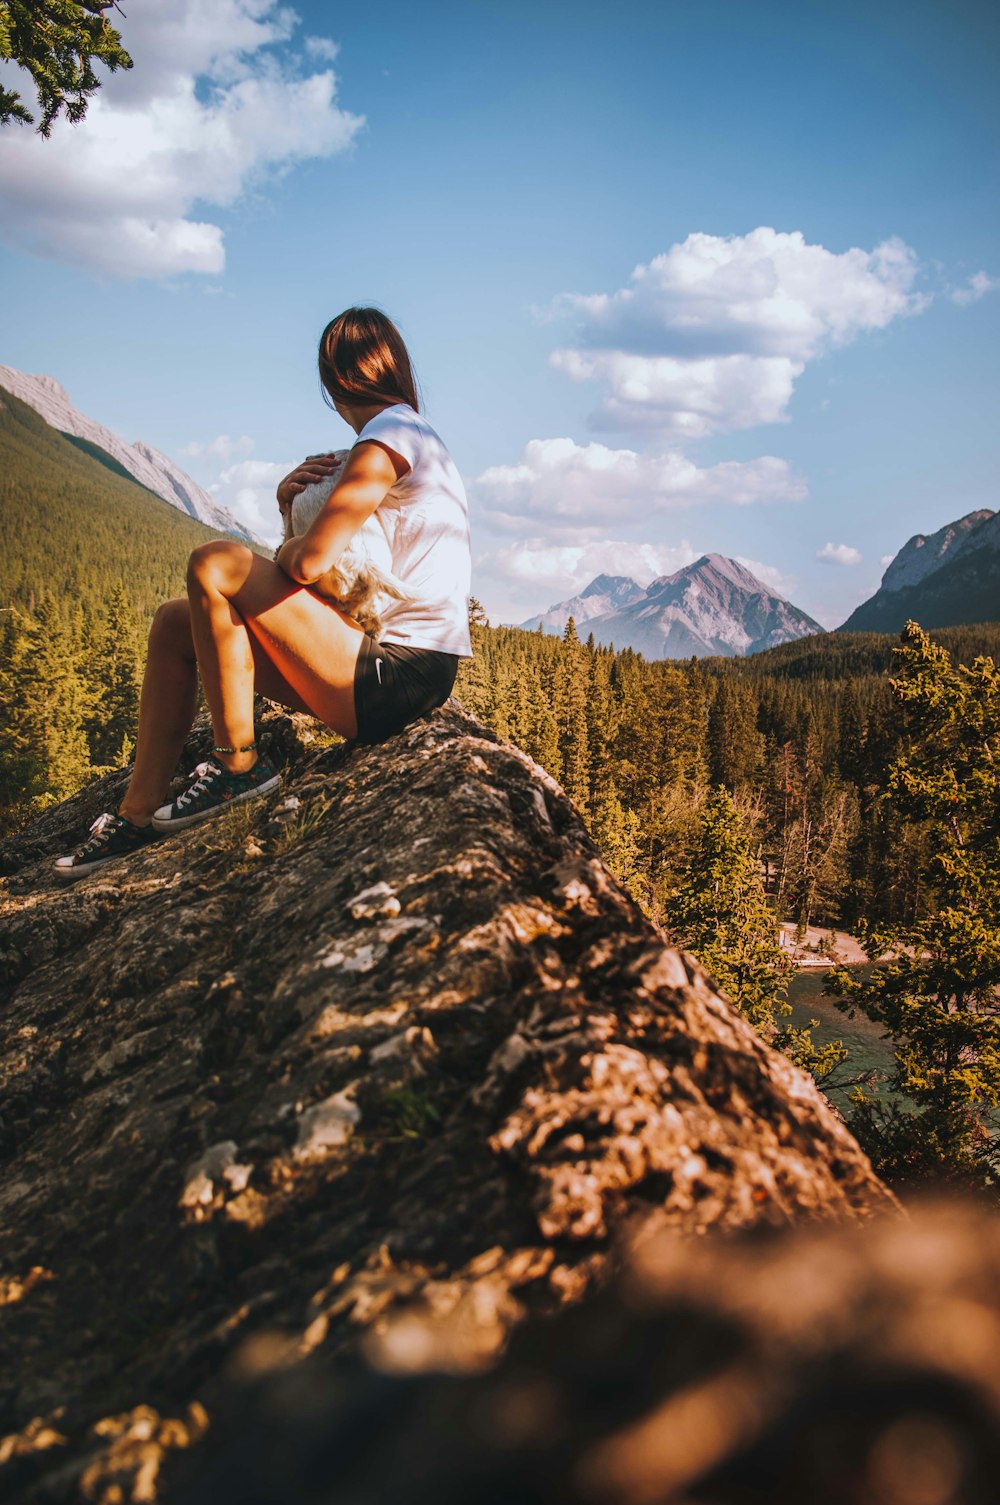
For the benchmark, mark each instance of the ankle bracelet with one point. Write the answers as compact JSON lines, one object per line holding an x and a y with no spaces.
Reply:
{"x":248,"y":748}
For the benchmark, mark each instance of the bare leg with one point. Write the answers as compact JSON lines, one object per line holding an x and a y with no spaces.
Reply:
{"x":239,"y":603}
{"x":167,"y":706}
{"x":166,"y":711}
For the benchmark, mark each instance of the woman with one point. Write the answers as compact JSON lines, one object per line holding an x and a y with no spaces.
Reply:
{"x":250,"y":624}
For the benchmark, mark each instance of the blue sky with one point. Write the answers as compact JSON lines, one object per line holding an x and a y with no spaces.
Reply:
{"x":676,"y":278}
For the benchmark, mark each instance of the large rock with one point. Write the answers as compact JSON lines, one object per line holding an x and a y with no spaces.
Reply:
{"x":390,"y":1042}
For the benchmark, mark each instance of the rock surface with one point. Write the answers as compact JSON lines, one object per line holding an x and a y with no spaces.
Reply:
{"x":316,"y":1068}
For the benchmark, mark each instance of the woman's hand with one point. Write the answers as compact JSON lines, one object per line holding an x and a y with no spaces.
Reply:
{"x":311,"y":470}
{"x":367,"y":475}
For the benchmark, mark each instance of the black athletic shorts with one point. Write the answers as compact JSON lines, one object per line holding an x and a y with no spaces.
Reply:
{"x":393,"y":684}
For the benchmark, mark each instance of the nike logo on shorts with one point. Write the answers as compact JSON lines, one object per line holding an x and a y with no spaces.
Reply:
{"x":378,"y":669}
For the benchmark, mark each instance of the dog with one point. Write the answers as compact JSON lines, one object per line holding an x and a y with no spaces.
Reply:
{"x":362,"y":577}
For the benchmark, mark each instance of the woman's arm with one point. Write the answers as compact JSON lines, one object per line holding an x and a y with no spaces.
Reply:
{"x":370,"y":471}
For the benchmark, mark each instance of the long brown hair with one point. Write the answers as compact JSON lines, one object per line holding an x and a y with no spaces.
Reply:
{"x":362,"y":359}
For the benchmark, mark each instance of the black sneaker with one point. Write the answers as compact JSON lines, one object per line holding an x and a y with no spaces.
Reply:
{"x":216,"y":789}
{"x":110,"y":836}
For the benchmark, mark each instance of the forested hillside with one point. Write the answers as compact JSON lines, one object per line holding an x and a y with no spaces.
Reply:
{"x":88,"y":556}
{"x":800,"y":736}
{"x":72,"y":527}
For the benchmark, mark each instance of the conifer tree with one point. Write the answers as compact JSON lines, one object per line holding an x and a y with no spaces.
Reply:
{"x":617,"y":835}
{"x":719,"y":912}
{"x":735,"y":746}
{"x":57,"y":42}
{"x":111,"y":725}
{"x":23,"y":762}
{"x":938,"y":994}
{"x":571,"y":693}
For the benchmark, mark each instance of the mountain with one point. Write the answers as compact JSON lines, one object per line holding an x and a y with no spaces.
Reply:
{"x":74,"y":524}
{"x":713,"y":607}
{"x":141,"y":461}
{"x":944,"y":579}
{"x":604,"y":595}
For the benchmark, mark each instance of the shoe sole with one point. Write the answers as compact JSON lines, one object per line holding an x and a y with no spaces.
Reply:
{"x":68,"y":874}
{"x":181,"y":822}
{"x":81,"y":869}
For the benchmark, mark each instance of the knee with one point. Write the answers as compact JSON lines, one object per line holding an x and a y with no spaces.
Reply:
{"x":172,"y":621}
{"x":218,"y":564}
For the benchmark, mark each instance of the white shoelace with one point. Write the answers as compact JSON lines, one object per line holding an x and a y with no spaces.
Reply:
{"x":204,"y":772}
{"x":98,"y":830}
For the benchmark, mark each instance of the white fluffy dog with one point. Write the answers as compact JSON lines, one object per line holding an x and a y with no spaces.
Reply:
{"x":362,"y":577}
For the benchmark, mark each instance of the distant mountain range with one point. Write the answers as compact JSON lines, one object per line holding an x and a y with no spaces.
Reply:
{"x":715,"y":606}
{"x":945,"y":579}
{"x":140,"y":461}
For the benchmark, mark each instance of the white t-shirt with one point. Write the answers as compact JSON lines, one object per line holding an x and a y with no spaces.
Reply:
{"x":425,"y":519}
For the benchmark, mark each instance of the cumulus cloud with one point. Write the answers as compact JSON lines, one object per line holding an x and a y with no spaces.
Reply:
{"x":216,"y":101}
{"x":247,"y":489}
{"x":683,"y":399}
{"x":221,"y":448}
{"x":713,"y":333}
{"x":839,"y":553}
{"x":582,"y":486}
{"x":976,"y":287}
{"x":568,"y":568}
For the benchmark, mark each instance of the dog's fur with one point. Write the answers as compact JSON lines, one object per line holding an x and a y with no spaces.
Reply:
{"x":361,"y":578}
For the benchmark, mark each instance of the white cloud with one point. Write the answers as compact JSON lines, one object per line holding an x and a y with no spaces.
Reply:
{"x":214,"y":103}
{"x":713,"y":333}
{"x":568,"y":568}
{"x":322,"y":47}
{"x":221,"y":448}
{"x":559,"y":482}
{"x":887,"y":559}
{"x":769,"y":574}
{"x":683,"y":399}
{"x":839,"y":553}
{"x":977,"y":286}
{"x":518,"y":581}
{"x":247,"y":489}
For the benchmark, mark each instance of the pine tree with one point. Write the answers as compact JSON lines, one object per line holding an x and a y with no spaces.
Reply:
{"x":23,"y":762}
{"x":720,"y":913}
{"x":114,"y":675}
{"x":571,"y":693}
{"x":57,"y":42}
{"x":617,"y":835}
{"x":735,"y":746}
{"x":938,"y":994}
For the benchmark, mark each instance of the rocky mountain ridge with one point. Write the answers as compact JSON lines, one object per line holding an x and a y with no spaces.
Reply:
{"x":604,"y":595}
{"x":715,"y":606}
{"x":390,"y":1043}
{"x":156,"y":471}
{"x":943,"y":579}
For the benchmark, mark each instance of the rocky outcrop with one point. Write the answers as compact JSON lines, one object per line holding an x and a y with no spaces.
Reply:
{"x":391,"y":1042}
